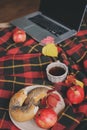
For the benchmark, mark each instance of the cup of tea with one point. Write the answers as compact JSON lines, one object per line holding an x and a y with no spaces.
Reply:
{"x":56,"y":71}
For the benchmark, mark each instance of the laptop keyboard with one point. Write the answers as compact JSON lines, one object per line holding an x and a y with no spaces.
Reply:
{"x":48,"y":25}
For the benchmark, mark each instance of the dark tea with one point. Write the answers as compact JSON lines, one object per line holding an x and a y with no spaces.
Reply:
{"x":57,"y":71}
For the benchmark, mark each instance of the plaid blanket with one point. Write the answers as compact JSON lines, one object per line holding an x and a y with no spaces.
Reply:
{"x":23,"y":65}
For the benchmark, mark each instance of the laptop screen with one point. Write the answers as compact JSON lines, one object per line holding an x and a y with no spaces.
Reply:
{"x":66,"y":12}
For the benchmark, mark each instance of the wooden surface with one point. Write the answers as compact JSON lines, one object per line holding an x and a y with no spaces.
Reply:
{"x":11,"y":9}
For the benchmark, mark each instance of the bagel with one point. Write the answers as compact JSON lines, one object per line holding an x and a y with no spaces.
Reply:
{"x":24,"y":104}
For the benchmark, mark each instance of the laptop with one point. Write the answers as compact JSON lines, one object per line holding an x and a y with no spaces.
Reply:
{"x":60,"y":19}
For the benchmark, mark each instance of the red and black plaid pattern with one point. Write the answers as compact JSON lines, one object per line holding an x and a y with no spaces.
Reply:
{"x":23,"y":65}
{"x":74,"y":54}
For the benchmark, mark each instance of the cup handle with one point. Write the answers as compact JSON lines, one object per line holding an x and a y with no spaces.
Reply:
{"x":58,"y":61}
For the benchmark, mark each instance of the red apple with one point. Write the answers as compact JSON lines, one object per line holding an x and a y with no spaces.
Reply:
{"x":52,"y":100}
{"x":75,"y":94}
{"x":45,"y":118}
{"x":19,"y":36}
